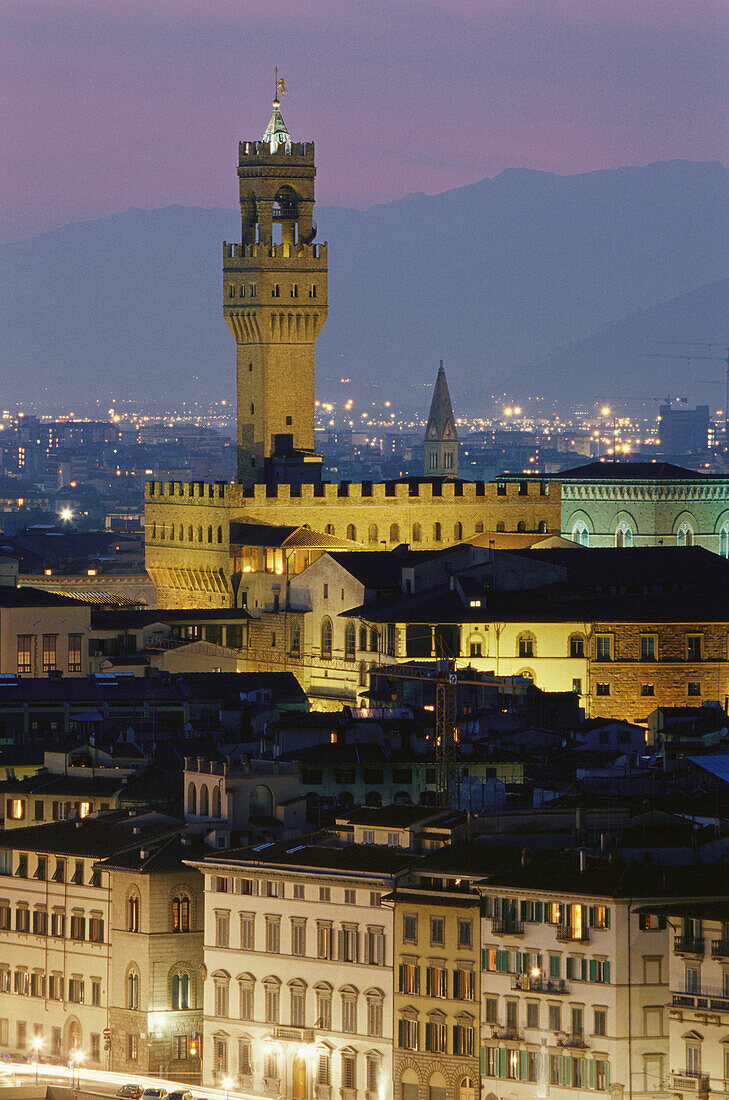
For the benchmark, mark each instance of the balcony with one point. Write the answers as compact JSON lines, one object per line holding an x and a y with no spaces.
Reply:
{"x":575,"y":1041}
{"x":567,"y":934}
{"x":720,"y":949}
{"x":527,"y":984}
{"x":506,"y":926}
{"x":295,"y":1034}
{"x":510,"y":1034}
{"x":696,"y":1083}
{"x":688,"y":945}
{"x":705,"y":999}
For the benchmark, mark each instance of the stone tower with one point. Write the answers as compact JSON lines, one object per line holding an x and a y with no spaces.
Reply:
{"x":275,"y":303}
{"x":441,"y":438}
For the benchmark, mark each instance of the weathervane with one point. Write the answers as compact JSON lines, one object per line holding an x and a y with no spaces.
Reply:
{"x":280,"y":86}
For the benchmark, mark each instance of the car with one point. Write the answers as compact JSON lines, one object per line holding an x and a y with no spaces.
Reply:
{"x":131,"y":1090}
{"x":154,"y":1094}
{"x":179,"y":1094}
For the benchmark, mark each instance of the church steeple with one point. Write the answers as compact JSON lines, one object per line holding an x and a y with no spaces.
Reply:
{"x":441,"y":437}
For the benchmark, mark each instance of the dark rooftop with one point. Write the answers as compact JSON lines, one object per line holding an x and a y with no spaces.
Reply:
{"x":304,"y":853}
{"x":631,"y":471}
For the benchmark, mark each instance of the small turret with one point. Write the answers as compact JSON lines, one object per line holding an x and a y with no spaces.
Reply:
{"x":441,"y":437}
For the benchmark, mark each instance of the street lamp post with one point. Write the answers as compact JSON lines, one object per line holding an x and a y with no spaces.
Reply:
{"x":36,"y":1042}
{"x":227,"y":1085}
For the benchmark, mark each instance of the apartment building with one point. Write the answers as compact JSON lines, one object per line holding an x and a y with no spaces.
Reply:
{"x":71,"y":894}
{"x":299,"y":962}
{"x":574,"y":979}
{"x":699,"y":1005}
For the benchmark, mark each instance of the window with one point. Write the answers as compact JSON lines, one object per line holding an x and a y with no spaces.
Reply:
{"x":74,"y":652}
{"x":437,"y":930}
{"x":133,"y":990}
{"x":96,"y":930}
{"x":577,"y":685}
{"x":298,"y":937}
{"x":78,"y":926}
{"x":602,"y":689}
{"x":435,"y":1036}
{"x":349,"y":1069}
{"x":16,"y":809}
{"x":324,"y":940}
{"x":222,"y":928}
{"x":532,"y":1014}
{"x":375,"y":947}
{"x":350,"y":897}
{"x":475,"y":649}
{"x":436,"y":981}
{"x":647,"y":647}
{"x":180,"y":914}
{"x":272,"y":1002}
{"x":554,"y":1013}
{"x":604,"y":647}
{"x":647,"y":689}
{"x":180,"y":992}
{"x":465,"y":933}
{"x":96,"y":991}
{"x":525,"y":645}
{"x":245,"y":1064}
{"x":25,"y":654}
{"x":40,"y":922}
{"x":78,"y":873}
{"x":577,"y":646}
{"x":409,"y":978}
{"x":694,"y":687}
{"x":437,"y":536}
{"x":410,"y":928}
{"x":49,"y":652}
{"x":133,"y":913}
{"x":685,"y":535}
{"x":298,"y":1005}
{"x":221,"y":986}
{"x":348,"y":943}
{"x":694,"y":647}
{"x":374,"y":1014}
{"x":349,"y":641}
{"x":463,"y":1038}
{"x":394,"y":532}
{"x":58,"y":924}
{"x":408,"y":1034}
{"x":273,"y":935}
{"x":326,"y":639}
{"x":324,"y":1009}
{"x":76,"y":991}
{"x":245,"y":998}
{"x":463,"y":984}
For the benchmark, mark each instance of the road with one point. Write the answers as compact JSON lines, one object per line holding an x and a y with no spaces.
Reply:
{"x":101,"y":1083}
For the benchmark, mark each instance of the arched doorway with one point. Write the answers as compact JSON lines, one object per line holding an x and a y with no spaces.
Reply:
{"x":298,"y":1078}
{"x":73,"y":1036}
{"x":466,"y":1089}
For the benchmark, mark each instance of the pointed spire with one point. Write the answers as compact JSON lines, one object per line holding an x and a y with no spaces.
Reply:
{"x":441,"y":424}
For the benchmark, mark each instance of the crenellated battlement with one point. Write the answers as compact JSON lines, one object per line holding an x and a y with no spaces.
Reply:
{"x":213,"y":494}
{"x":311,"y":253}
{"x":256,"y":150}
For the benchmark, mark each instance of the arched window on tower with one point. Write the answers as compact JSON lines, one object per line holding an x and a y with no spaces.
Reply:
{"x":351,"y":532}
{"x":349,"y":641}
{"x":372,"y":533}
{"x":326,"y":639}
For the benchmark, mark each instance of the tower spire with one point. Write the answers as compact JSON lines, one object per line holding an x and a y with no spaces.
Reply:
{"x":441,"y":437}
{"x":276,"y":132}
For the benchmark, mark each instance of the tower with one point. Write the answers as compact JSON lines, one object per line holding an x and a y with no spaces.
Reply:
{"x":275,"y":303}
{"x":441,"y":438}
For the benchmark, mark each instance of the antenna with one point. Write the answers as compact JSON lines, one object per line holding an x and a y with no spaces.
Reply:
{"x":724,"y":345}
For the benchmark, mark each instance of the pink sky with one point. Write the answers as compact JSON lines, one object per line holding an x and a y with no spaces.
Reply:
{"x":118,"y":103}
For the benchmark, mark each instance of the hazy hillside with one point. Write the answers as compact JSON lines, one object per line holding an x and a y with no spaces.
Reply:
{"x":491,"y":278}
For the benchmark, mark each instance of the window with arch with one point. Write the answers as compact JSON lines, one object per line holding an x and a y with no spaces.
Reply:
{"x":417,"y":532}
{"x":295,"y":640}
{"x":542,"y":527}
{"x":500,"y":526}
{"x":181,"y":913}
{"x":181,"y":535}
{"x":374,"y":641}
{"x":351,"y":532}
{"x":221,"y":987}
{"x":685,"y":535}
{"x":133,"y":989}
{"x":521,"y":527}
{"x":189,"y":532}
{"x":349,"y":1010}
{"x":479,"y":528}
{"x":724,"y":541}
{"x":372,"y":533}
{"x":217,"y":810}
{"x":577,"y":645}
{"x":526,"y":644}
{"x":458,"y":531}
{"x":325,"y":645}
{"x":349,"y":641}
{"x":192,"y":799}
{"x":210,"y":533}
{"x":580,"y":533}
{"x":220,"y":534}
{"x":133,"y":913}
{"x":154,"y":530}
{"x":204,"y":801}
{"x":181,"y":999}
{"x":199,"y":534}
{"x":323,"y":1006}
{"x":437,"y":535}
{"x":623,"y":535}
{"x":272,"y":1000}
{"x":394,"y":532}
{"x":375,"y":1001}
{"x":329,"y":529}
{"x":363,"y":639}
{"x":373,"y":1074}
{"x":162,"y":532}
{"x":466,"y":1089}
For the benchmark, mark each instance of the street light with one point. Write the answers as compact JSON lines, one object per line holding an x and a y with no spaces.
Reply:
{"x":77,"y":1057}
{"x":36,"y":1042}
{"x":227,"y":1085}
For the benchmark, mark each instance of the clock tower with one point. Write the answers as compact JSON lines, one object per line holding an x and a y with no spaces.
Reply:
{"x":275,"y":303}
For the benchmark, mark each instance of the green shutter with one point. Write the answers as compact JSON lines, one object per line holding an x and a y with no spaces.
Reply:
{"x":517,"y":964}
{"x":567,"y":1070}
{"x":607,"y":1075}
{"x":524,"y":910}
{"x":401,"y":1033}
{"x":401,"y":975}
{"x":591,"y":916}
{"x":538,"y":912}
{"x":569,"y":966}
{"x":503,"y":1062}
{"x":417,"y":979}
{"x":607,"y":918}
{"x":523,"y":1066}
{"x":428,"y":1036}
{"x":484,"y":1061}
{"x":583,"y":969}
{"x":592,"y":970}
{"x":484,"y":958}
{"x":428,"y":982}
{"x":539,"y":961}
{"x":592,"y":1078}
{"x":606,"y":971}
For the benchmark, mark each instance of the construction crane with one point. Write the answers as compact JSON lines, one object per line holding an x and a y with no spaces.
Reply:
{"x":708,"y":359}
